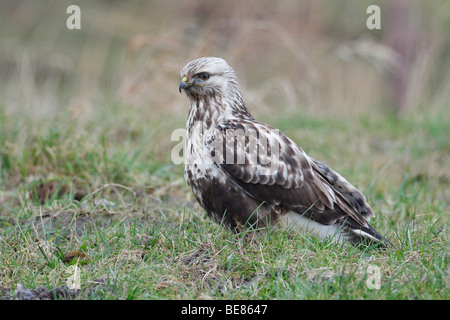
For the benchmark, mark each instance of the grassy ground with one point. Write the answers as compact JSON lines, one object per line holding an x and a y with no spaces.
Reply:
{"x":146,"y":239}
{"x":87,"y":185}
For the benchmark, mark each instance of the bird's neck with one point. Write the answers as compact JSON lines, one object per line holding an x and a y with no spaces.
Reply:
{"x":212,"y":110}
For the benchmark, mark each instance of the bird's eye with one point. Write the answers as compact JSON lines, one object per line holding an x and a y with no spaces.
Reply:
{"x":204,"y":76}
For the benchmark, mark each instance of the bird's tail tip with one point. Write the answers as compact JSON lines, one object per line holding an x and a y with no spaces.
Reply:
{"x":369,"y":237}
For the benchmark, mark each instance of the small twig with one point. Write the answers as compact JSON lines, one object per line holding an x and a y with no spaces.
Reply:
{"x":45,"y":256}
{"x":105,"y":186}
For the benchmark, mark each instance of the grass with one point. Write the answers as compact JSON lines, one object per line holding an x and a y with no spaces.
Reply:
{"x":86,"y":178}
{"x":151,"y":241}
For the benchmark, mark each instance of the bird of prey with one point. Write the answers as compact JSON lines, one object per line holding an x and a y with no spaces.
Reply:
{"x":247,"y":174}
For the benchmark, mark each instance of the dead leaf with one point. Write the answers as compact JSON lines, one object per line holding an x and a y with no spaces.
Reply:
{"x":76,"y":255}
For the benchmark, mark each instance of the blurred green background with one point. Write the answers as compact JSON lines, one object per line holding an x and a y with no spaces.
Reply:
{"x":307,"y":55}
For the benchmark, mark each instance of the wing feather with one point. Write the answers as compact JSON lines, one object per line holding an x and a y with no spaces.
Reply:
{"x":281,"y":173}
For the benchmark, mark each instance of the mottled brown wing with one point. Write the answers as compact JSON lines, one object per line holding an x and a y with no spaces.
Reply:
{"x":270,"y":167}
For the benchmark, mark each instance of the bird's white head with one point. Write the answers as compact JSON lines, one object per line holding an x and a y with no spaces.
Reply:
{"x":208,"y":77}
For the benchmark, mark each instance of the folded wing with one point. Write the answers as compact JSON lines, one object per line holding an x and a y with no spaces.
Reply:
{"x":270,"y":167}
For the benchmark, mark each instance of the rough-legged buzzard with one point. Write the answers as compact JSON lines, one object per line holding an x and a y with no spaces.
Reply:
{"x":245,"y":173}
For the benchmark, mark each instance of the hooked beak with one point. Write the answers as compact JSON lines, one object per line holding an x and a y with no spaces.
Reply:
{"x":183,"y":84}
